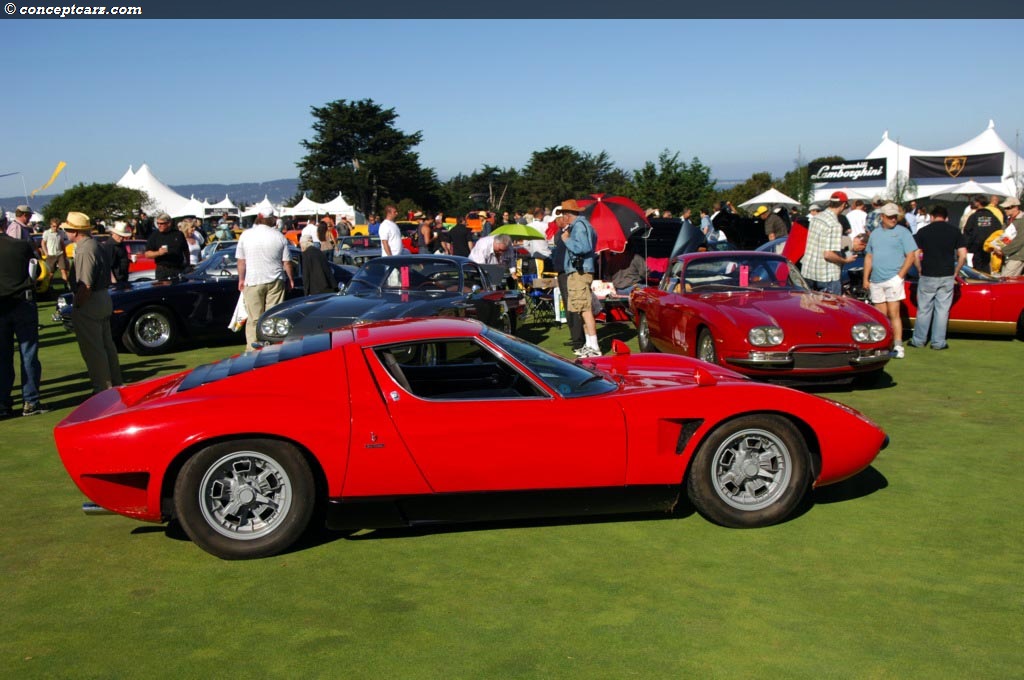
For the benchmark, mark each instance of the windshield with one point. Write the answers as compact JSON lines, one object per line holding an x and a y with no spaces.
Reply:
{"x":219,"y":263}
{"x":350,"y":242}
{"x":739,"y":271}
{"x":386,"y":274}
{"x":569,"y":380}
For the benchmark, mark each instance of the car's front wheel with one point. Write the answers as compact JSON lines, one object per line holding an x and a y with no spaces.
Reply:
{"x":245,"y":499}
{"x":151,"y":331}
{"x":643,"y":335}
{"x":706,"y":347}
{"x":750,"y":472}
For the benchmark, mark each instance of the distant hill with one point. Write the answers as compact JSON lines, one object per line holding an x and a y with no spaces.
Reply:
{"x":278,"y":191}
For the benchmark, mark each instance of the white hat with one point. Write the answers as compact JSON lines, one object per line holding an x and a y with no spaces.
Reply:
{"x":122,"y":229}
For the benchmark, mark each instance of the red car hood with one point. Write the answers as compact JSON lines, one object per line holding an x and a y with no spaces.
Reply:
{"x":804,"y":317}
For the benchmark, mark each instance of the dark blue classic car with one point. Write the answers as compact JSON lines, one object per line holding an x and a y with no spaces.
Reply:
{"x":399,"y":287}
{"x":152,"y":317}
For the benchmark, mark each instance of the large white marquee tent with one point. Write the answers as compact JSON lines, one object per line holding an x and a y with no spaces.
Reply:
{"x":897,"y":156}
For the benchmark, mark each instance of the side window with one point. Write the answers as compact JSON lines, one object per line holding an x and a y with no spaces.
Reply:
{"x":472,"y":276}
{"x":670,"y":282}
{"x":454,"y":369}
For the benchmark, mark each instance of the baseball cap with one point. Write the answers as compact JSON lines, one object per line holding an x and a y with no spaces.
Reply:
{"x":761,"y":209}
{"x":839,"y":196}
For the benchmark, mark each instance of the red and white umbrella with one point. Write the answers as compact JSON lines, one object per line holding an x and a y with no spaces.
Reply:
{"x":614,"y":218}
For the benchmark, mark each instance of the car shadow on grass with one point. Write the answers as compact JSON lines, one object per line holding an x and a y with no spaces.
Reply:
{"x":71,"y":389}
{"x":864,"y":483}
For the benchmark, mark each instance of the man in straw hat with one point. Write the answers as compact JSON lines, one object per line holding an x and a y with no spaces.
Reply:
{"x":19,"y":321}
{"x":92,"y":306}
{"x":580,"y":241}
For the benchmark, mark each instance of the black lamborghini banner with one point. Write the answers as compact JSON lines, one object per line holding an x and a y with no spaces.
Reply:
{"x":848,"y":171}
{"x":979,"y":165}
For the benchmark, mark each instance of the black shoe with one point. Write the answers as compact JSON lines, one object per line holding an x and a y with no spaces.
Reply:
{"x":940,"y":348}
{"x":34,"y":409}
{"x":911,"y":343}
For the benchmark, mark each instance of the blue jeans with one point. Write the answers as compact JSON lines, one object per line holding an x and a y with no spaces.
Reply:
{"x":20,"y":320}
{"x":834,"y":287}
{"x":934,"y":298}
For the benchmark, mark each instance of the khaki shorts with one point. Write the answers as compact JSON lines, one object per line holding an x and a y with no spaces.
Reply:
{"x":579,"y":293}
{"x":890,"y":290}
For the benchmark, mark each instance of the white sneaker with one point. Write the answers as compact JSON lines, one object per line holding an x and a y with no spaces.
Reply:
{"x":897,"y":352}
{"x":589,"y":352}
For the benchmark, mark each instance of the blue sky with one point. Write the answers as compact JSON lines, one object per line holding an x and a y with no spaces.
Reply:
{"x":229,"y":101}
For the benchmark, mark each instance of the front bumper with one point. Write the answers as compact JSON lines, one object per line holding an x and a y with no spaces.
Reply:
{"x":812,"y":359}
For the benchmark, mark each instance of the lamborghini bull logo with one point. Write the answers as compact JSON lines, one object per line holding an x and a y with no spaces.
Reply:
{"x":955,"y":165}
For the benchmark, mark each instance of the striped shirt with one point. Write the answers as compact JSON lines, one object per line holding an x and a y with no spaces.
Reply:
{"x":825,"y":233}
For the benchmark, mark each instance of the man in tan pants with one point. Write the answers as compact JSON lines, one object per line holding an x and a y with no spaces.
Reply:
{"x":263,"y":263}
{"x":92,"y":307}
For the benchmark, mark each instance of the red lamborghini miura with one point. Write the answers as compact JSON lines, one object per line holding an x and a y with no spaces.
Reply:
{"x":410,"y":440}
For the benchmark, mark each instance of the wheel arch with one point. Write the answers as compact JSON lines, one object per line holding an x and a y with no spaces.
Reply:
{"x":173,"y":470}
{"x":802,"y":426}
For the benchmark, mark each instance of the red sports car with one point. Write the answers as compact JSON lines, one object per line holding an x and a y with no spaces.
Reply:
{"x":753,"y":312}
{"x":633,"y":432}
{"x":982,"y":303}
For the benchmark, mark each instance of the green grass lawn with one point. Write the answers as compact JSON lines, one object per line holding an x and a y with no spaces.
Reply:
{"x":911,"y":570}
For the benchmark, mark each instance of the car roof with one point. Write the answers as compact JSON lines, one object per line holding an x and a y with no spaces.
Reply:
{"x":406,"y":330}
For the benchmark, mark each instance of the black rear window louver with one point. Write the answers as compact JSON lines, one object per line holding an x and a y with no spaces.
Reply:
{"x":292,"y":349}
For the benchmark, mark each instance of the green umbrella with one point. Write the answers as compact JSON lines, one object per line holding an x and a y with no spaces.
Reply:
{"x":519,"y":231}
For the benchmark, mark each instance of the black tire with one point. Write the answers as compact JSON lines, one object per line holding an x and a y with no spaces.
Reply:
{"x":152,"y":330}
{"x":705,"y":349}
{"x":643,"y":335}
{"x":751,"y":472}
{"x":245,"y":499}
{"x":1020,"y":325}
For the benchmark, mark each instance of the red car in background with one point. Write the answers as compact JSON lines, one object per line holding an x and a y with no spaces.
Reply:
{"x":635,"y":432}
{"x":982,"y":303}
{"x":753,"y":312}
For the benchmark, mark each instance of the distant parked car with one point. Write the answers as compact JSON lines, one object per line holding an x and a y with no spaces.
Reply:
{"x":400,"y":287}
{"x":754,"y":313}
{"x":154,"y":317}
{"x":982,"y":303}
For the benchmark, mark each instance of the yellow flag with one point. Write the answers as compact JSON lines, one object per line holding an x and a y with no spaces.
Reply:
{"x":60,"y":166}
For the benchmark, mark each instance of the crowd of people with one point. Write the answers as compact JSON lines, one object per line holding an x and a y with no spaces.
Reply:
{"x":890,"y":238}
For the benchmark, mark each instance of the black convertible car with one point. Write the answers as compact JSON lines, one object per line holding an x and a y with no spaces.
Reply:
{"x":397,"y":287}
{"x":152,"y":317}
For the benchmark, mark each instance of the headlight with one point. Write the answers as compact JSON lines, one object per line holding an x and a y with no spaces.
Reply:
{"x":868,"y":332}
{"x":765,"y":336}
{"x":275,"y":326}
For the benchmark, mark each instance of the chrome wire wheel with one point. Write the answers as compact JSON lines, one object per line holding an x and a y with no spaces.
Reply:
{"x":706,"y":347}
{"x":245,"y":495}
{"x":643,"y":335}
{"x":751,"y":469}
{"x":153,"y":330}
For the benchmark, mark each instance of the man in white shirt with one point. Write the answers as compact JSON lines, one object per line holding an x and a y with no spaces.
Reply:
{"x":390,"y":235}
{"x":263,"y":262}
{"x":493,"y":250}
{"x":857,"y":218}
{"x":309,"y":231}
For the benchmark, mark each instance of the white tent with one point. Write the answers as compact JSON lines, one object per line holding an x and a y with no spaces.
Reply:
{"x":223,"y":206}
{"x":963,"y":192}
{"x":261,"y":207}
{"x":306,"y":206}
{"x":339,"y":206}
{"x":162,"y":198}
{"x":769,"y":198}
{"x":193,"y":207}
{"x":897,"y":156}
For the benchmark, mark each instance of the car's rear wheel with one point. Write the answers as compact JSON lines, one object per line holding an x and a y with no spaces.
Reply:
{"x":643,"y":335}
{"x":151,"y":331}
{"x":706,"y":347}
{"x":750,"y":472}
{"x":245,"y":499}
